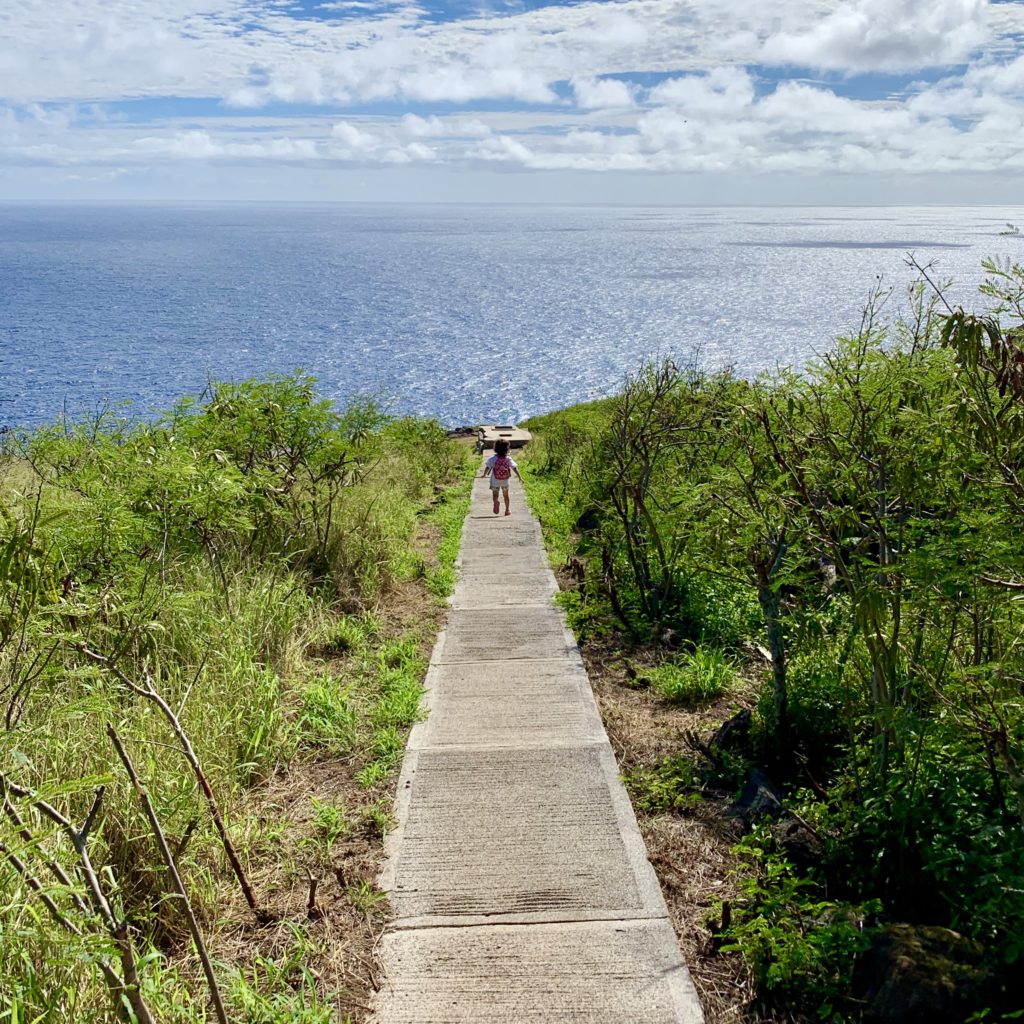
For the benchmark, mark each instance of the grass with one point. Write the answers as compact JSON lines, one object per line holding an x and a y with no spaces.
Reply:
{"x":249,"y":555}
{"x":546,"y":498}
{"x":330,"y":822}
{"x":329,"y":718}
{"x":447,"y":515}
{"x":367,"y":899}
{"x":702,"y":675}
{"x":669,"y":785}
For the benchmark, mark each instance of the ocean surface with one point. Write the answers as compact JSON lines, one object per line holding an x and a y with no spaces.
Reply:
{"x":469,"y":314}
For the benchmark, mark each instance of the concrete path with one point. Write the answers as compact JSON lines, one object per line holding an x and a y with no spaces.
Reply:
{"x":519,"y":879}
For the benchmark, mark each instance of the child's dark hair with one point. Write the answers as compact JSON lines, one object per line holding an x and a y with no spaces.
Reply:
{"x":501,"y":449}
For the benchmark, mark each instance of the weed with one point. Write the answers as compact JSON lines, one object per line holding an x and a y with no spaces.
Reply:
{"x":330,"y":822}
{"x":374,"y":773}
{"x":388,"y":744}
{"x":378,"y":818}
{"x":329,"y":717}
{"x":448,"y":513}
{"x":670,"y":785}
{"x":368,"y":899}
{"x":276,"y":993}
{"x":346,"y":634}
{"x":702,"y":675}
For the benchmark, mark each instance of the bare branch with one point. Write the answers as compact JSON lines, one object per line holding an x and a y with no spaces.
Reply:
{"x":172,"y":870}
{"x":150,"y":692}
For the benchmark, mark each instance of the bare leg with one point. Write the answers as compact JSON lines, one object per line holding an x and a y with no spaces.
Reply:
{"x":508,"y":511}
{"x":494,"y":496}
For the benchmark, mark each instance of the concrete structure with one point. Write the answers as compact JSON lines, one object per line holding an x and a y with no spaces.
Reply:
{"x":519,"y":879}
{"x":491,"y":432}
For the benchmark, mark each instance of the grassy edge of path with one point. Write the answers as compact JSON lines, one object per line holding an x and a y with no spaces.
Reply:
{"x":275,"y":570}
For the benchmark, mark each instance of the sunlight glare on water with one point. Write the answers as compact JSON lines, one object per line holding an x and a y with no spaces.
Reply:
{"x":468,"y":314}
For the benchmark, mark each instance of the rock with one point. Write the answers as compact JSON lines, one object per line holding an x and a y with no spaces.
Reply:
{"x":670,"y":639}
{"x":801,"y":847}
{"x":921,"y":973}
{"x":577,"y":569}
{"x":759,"y":799}
{"x":733,"y":735}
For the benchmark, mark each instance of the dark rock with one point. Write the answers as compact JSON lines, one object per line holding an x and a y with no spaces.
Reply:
{"x":462,"y":432}
{"x":589,"y":520}
{"x":759,"y":799}
{"x":798,"y":844}
{"x":733,"y":735}
{"x":922,"y":973}
{"x":827,"y":567}
{"x":670,"y":639}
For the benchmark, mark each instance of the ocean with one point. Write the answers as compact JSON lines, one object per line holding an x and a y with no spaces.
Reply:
{"x":468,"y":314}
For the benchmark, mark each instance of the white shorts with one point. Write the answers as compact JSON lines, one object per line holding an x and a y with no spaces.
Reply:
{"x":495,"y":484}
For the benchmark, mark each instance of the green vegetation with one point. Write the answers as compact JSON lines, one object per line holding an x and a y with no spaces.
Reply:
{"x":700,"y":675}
{"x":211,"y":592}
{"x":852,"y":535}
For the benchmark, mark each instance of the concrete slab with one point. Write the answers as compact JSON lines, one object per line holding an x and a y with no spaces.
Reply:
{"x":499,"y":531}
{"x":498,"y":561}
{"x":482,"y":497}
{"x":488,"y":591}
{"x":482,"y":510}
{"x":518,"y":834}
{"x":517,"y":873}
{"x":596,"y":973}
{"x":535,"y":703}
{"x":516,"y":437}
{"x":493,"y":634}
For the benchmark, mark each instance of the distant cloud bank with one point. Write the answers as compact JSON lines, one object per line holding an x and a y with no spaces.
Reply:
{"x":160,"y":95}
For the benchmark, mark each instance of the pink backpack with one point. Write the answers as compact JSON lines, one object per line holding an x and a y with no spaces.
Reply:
{"x":502,"y":468}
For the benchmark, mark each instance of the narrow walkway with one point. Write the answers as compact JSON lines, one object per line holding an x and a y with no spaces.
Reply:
{"x":518,"y":876}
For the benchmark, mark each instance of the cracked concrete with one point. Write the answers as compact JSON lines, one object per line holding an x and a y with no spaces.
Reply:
{"x":519,"y":879}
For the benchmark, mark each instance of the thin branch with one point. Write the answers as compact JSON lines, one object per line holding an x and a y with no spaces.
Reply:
{"x":37,"y":887}
{"x":149,"y":691}
{"x":128,"y":986}
{"x":172,"y":870}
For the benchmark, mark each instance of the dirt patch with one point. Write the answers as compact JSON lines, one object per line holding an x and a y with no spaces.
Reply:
{"x":326,"y":912}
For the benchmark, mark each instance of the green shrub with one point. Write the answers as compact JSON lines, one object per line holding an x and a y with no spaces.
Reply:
{"x":720,"y":614}
{"x":801,"y":948}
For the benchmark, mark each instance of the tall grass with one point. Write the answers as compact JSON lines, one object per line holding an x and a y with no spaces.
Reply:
{"x":218,"y":556}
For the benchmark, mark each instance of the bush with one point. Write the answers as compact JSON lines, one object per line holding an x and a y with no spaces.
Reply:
{"x":205,"y":554}
{"x":802,"y":948}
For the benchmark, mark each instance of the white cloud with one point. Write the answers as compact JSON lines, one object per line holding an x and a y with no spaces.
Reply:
{"x":355,"y":139}
{"x":721,"y":91}
{"x":251,"y":52}
{"x":502,"y":148}
{"x":435,"y":127}
{"x":884,"y":35}
{"x":713,"y":112}
{"x":601,"y":93}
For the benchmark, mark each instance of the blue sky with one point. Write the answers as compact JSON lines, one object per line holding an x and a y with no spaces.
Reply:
{"x":635,"y":101}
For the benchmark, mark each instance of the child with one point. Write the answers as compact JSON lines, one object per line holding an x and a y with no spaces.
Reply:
{"x":500,"y":466}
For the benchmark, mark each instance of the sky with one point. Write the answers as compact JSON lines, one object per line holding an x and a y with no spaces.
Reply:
{"x":597,"y":101}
